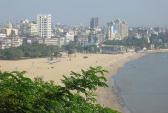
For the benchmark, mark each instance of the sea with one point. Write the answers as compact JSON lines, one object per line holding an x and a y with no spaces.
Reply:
{"x":142,"y":84}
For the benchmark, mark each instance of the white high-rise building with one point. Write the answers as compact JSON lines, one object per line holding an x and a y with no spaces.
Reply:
{"x":44,"y":25}
{"x":111,"y":31}
{"x":117,"y":30}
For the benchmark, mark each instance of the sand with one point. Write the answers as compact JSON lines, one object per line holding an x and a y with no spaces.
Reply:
{"x":63,"y":66}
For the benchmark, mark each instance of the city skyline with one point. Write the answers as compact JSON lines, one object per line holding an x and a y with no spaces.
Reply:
{"x":75,"y":12}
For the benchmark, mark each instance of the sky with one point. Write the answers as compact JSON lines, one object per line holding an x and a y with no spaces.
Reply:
{"x":75,"y":12}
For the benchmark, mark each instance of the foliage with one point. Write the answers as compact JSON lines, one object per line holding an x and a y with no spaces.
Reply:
{"x":158,"y":40}
{"x":73,"y":47}
{"x":130,"y":42}
{"x":92,"y":49}
{"x":163,"y":37}
{"x":19,"y":94}
{"x":114,"y":42}
{"x":135,"y":42}
{"x":29,"y":51}
{"x":12,"y":53}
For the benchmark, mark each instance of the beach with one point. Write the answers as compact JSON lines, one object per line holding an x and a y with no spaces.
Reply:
{"x":54,"y":70}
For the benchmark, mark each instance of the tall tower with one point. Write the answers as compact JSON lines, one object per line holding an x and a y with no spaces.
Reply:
{"x":124,"y":29}
{"x":44,"y":25}
{"x":111,"y":31}
{"x":121,"y":29}
{"x":94,"y":22}
{"x":117,"y":30}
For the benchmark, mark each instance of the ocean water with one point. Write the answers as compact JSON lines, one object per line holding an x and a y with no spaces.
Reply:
{"x":143,"y":84}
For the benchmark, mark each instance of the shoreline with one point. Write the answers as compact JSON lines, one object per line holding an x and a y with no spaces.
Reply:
{"x":128,"y":105}
{"x":63,"y":66}
{"x":111,"y":93}
{"x":120,"y":106}
{"x":107,"y":97}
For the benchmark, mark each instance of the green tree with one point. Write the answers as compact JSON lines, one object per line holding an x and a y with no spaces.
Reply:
{"x":19,"y":94}
{"x":12,"y":53}
{"x":156,"y":40}
{"x":92,"y":49}
{"x":29,"y":51}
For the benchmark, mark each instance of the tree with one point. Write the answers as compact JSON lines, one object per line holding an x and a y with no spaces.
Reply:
{"x":29,"y":51}
{"x":19,"y":94}
{"x":92,"y":49}
{"x":114,"y":42}
{"x":12,"y":53}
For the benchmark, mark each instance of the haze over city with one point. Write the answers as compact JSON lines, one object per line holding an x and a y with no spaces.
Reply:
{"x":75,"y":12}
{"x":83,"y":56}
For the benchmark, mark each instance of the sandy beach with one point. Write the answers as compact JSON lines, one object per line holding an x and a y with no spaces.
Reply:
{"x":63,"y":66}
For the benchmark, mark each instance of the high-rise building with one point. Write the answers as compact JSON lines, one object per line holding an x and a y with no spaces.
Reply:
{"x":121,"y":29}
{"x":44,"y":26}
{"x":24,"y":26}
{"x":28,"y":28}
{"x":124,"y":29}
{"x":111,"y":31}
{"x":117,"y":30}
{"x":33,"y":31}
{"x":94,"y":22}
{"x":10,"y":31}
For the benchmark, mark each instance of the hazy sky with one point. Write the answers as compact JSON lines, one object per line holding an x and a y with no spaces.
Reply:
{"x":135,"y":12}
